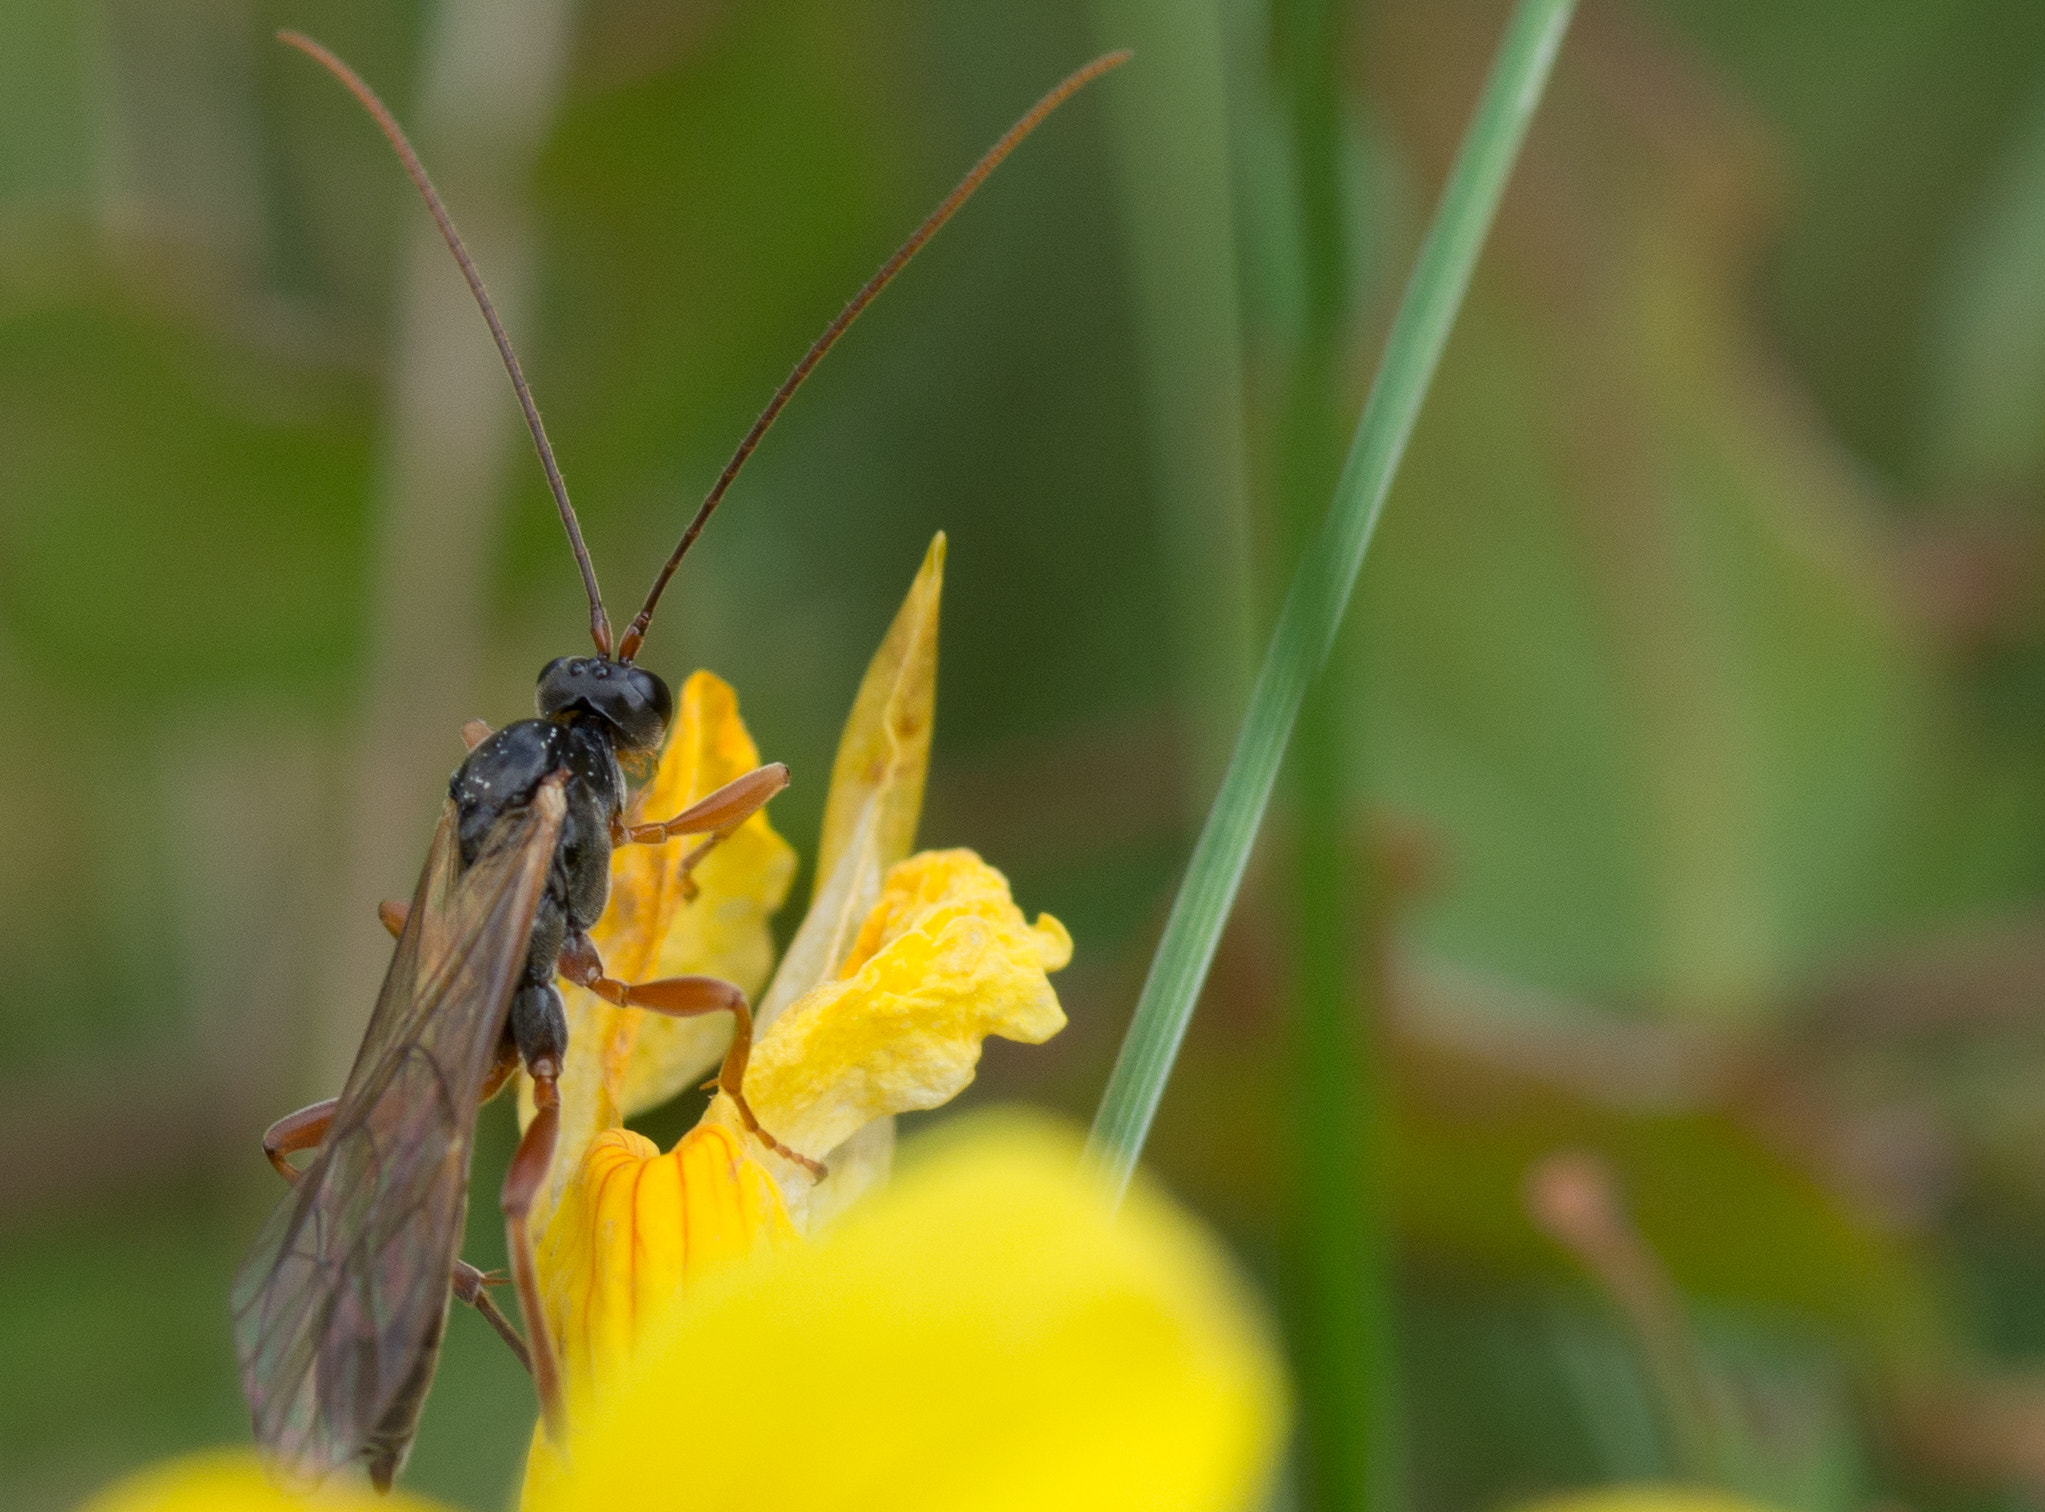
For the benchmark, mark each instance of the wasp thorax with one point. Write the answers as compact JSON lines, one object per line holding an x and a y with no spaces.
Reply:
{"x":632,"y":701}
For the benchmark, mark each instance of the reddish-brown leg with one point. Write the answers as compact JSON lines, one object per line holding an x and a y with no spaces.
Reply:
{"x":522,"y":1183}
{"x":468,"y":1287}
{"x":304,"y":1130}
{"x":714,"y":817}
{"x":293,"y":1132}
{"x":685,"y":997}
{"x":474,"y":733}
{"x":501,"y":1072}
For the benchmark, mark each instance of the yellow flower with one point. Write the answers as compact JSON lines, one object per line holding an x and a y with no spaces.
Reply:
{"x":984,"y":1336}
{"x":945,"y":960}
{"x":227,"y":1480}
{"x":900,"y":996}
{"x":634,"y":1230}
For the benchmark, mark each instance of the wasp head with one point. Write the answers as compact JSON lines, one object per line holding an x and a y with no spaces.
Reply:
{"x":634,"y":703}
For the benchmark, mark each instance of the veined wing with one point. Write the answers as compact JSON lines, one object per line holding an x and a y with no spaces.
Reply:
{"x":339,"y":1307}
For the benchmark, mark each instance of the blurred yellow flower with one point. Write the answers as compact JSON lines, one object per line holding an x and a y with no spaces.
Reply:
{"x":984,"y":1336}
{"x":233,"y":1480}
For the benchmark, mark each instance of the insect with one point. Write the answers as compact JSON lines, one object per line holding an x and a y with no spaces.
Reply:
{"x":341,"y":1305}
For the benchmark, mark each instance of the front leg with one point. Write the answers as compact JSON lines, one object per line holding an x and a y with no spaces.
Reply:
{"x":714,"y":817}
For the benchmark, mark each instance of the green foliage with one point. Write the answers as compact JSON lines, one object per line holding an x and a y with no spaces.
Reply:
{"x":1687,"y":737}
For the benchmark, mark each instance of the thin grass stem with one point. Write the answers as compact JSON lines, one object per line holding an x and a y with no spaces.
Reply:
{"x":1321,"y":584}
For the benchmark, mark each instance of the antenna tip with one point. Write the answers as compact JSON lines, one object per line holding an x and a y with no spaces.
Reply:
{"x":298,"y":41}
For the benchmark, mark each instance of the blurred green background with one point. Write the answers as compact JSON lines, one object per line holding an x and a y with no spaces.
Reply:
{"x":1690,"y":723}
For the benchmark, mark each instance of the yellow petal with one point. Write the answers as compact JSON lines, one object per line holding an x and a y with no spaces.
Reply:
{"x":876,"y":797}
{"x":870,"y":818}
{"x":232,"y":1480}
{"x":635,"y":1226}
{"x":622,"y":1061}
{"x":987,"y":1337}
{"x":884,"y":753}
{"x":634,"y":1229}
{"x":943,"y":960}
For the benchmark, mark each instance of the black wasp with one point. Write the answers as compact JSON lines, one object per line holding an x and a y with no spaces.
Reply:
{"x":340,"y":1307}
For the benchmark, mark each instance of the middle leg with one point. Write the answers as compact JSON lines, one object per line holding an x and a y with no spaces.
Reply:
{"x":686,"y":997}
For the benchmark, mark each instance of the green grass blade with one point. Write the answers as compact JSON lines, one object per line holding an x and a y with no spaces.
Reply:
{"x":1337,"y":1280}
{"x":1321,"y":584}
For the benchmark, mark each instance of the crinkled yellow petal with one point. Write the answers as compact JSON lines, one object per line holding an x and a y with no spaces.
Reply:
{"x":634,"y":1229}
{"x":622,"y":1061}
{"x":232,"y":1480}
{"x":986,"y":1337}
{"x":943,"y":960}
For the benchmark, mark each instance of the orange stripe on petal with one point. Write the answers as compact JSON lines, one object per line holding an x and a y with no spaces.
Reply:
{"x":635,"y":1227}
{"x":634,"y":1231}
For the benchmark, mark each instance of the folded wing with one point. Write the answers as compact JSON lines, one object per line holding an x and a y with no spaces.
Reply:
{"x":339,"y":1308}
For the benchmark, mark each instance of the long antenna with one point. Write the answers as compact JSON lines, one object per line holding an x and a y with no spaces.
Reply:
{"x":1072,"y":84}
{"x":599,"y":622}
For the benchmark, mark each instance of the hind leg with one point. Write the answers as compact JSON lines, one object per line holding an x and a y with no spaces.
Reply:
{"x":540,"y":1029}
{"x":305,"y":1129}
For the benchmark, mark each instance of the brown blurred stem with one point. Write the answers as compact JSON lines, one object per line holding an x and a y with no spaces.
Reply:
{"x":1339,"y":1242}
{"x":1573,"y":1197}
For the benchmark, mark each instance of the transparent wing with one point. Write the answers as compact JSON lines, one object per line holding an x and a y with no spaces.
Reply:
{"x":339,"y":1307}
